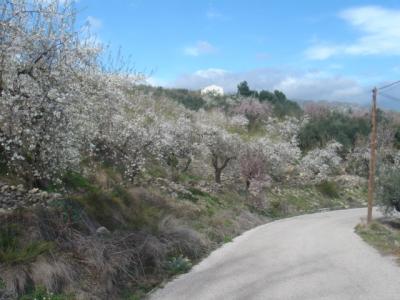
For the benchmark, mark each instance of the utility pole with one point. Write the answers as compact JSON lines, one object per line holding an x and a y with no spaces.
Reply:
{"x":372,"y":162}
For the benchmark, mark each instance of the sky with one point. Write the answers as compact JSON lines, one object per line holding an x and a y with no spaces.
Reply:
{"x":311,"y":50}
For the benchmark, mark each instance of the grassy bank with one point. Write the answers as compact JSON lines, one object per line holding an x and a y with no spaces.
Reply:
{"x":115,"y":241}
{"x":382,"y":234}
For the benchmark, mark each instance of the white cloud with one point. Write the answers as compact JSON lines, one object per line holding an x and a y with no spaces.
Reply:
{"x":211,"y":73}
{"x":200,"y":48}
{"x":94,"y":23}
{"x":320,"y":52}
{"x":380,"y":34}
{"x":306,"y":85}
{"x":155,"y":81}
{"x":321,"y":86}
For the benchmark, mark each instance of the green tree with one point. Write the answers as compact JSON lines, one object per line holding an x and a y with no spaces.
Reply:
{"x":389,"y":190}
{"x":267,"y":96}
{"x":280,"y":96}
{"x":244,"y":89}
{"x":336,"y":126}
{"x":282,"y":106}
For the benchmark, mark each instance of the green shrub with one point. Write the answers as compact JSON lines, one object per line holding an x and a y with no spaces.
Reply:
{"x":328,"y":188}
{"x":227,"y":239}
{"x":189,"y":99}
{"x":336,"y":126}
{"x":178,"y":265}
{"x":76,"y":181}
{"x":281,"y":105}
{"x":388,"y":191}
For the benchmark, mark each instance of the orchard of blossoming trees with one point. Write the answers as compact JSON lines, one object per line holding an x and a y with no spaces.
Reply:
{"x":141,"y":174}
{"x":60,"y":106}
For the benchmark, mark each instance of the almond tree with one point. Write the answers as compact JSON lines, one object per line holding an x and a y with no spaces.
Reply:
{"x":318,"y":164}
{"x":56,"y":101}
{"x":178,"y":143}
{"x":253,"y":163}
{"x":223,"y":147}
{"x":253,"y":110}
{"x":41,"y":65}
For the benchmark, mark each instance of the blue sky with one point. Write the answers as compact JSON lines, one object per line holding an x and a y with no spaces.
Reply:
{"x":320,"y":50}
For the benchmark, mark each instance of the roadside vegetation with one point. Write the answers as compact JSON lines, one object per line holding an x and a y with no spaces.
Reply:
{"x":130,"y":185}
{"x":383,"y":234}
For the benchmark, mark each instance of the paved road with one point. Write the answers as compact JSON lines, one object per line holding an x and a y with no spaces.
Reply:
{"x":308,"y":257}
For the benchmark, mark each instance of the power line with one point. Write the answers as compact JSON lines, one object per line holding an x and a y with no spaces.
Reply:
{"x":388,"y":85}
{"x":389,"y":96}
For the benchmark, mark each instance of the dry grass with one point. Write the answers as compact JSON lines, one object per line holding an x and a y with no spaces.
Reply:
{"x":151,"y":235}
{"x":182,"y":239}
{"x":382,"y":234}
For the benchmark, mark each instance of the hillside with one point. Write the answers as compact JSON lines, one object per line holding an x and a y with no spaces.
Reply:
{"x":109,"y":187}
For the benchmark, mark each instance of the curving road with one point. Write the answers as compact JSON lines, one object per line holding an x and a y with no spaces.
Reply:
{"x":308,"y":257}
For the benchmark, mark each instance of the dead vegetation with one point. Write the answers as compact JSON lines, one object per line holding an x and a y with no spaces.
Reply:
{"x":148,"y":238}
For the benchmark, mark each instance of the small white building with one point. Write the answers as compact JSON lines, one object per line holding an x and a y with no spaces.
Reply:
{"x":213,"y":90}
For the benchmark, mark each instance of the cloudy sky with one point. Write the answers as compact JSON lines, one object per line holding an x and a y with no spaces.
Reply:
{"x":320,"y":50}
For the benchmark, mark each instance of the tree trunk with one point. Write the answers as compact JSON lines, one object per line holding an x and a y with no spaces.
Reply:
{"x":218,"y":175}
{"x":218,"y":169}
{"x":188,"y":162}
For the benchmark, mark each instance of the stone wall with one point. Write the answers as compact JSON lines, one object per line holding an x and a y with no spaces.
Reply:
{"x":12,"y":197}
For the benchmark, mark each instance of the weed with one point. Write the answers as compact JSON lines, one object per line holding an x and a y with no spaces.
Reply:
{"x":178,"y":265}
{"x":277,"y":208}
{"x":227,"y":239}
{"x":13,"y":250}
{"x":41,"y":293}
{"x":198,"y":192}
{"x":328,"y":188}
{"x":187,"y":196}
{"x":211,"y":200}
{"x":76,"y":181}
{"x":380,"y":237}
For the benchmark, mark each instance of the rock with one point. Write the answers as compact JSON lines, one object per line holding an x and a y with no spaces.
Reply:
{"x":56,"y":196}
{"x":33,"y":191}
{"x":44,"y":195}
{"x":102,"y":231}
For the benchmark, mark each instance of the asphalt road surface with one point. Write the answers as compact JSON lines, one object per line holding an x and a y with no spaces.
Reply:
{"x":315,"y":256}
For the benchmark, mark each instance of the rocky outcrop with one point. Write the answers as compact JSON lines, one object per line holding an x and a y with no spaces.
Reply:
{"x":12,"y":197}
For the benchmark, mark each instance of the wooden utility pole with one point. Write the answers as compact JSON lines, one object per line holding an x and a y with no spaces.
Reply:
{"x":372,"y":162}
